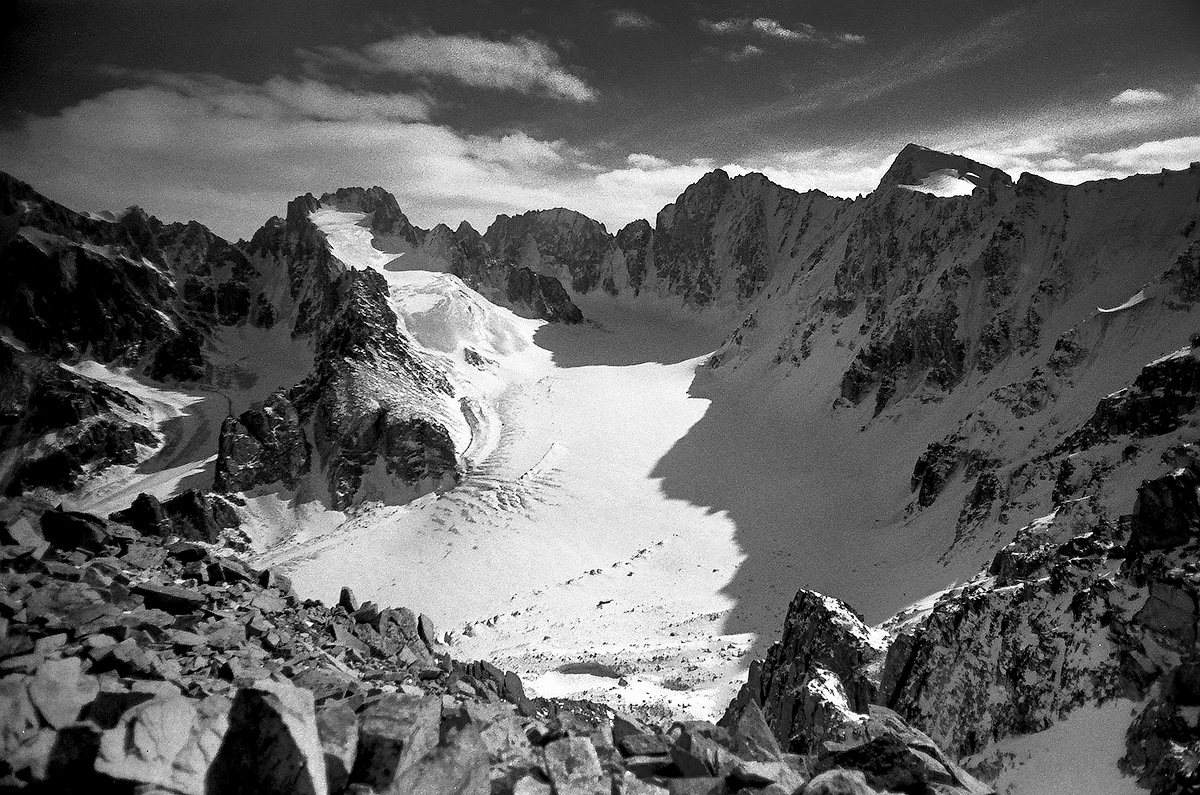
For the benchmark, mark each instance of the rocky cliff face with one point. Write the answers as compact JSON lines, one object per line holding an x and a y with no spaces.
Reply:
{"x":139,"y":293}
{"x":558,"y":242}
{"x":369,"y":404}
{"x":130,"y":292}
{"x":720,"y":242}
{"x":1083,"y":608}
{"x":56,"y":424}
{"x":133,"y":291}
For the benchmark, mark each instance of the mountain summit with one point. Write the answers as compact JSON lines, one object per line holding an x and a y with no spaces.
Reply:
{"x":941,"y":174}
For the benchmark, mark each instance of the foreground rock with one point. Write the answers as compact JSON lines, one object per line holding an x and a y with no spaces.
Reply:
{"x":145,"y":663}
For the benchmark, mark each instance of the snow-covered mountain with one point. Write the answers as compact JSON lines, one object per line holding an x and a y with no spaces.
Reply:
{"x":963,"y":405}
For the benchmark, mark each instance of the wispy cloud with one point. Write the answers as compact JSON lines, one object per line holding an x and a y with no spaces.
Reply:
{"x":1140,"y":96}
{"x":283,"y":98}
{"x":520,"y":64}
{"x":768,"y":28}
{"x":625,"y":19}
{"x":918,"y":63}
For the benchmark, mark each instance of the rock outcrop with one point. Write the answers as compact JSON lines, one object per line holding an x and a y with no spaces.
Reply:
{"x":132,"y":291}
{"x":814,"y":684}
{"x":372,"y":401}
{"x":558,"y":242}
{"x":814,"y":692}
{"x":58,"y":425}
{"x":1076,"y":612}
{"x":543,"y":295}
{"x":1157,"y":402}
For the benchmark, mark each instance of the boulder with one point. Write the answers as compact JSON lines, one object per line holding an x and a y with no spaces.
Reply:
{"x":394,"y":733}
{"x":699,"y":756}
{"x":272,"y":745}
{"x":67,"y":530}
{"x":166,"y":742}
{"x":22,"y":745}
{"x":170,"y":598}
{"x":751,"y":737}
{"x":458,"y":766}
{"x":839,"y":782}
{"x":896,"y":757}
{"x":337,"y":728}
{"x":573,"y":767}
{"x":60,"y":691}
{"x":147,"y":516}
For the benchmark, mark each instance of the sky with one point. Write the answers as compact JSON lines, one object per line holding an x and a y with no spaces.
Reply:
{"x":223,"y":110}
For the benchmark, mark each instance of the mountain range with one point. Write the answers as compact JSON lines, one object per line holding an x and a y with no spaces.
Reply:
{"x":958,"y":413}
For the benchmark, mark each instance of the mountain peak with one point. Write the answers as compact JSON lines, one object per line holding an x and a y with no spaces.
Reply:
{"x":387,"y":217}
{"x":939,"y":173}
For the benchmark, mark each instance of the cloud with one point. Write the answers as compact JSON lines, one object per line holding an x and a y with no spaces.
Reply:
{"x":282,"y":98}
{"x":746,"y":52}
{"x":521,"y":64}
{"x":519,"y":150}
{"x":1139,"y":96}
{"x":773,"y":29}
{"x":646,"y":162}
{"x":231,"y":155}
{"x":625,"y":19}
{"x":1085,"y":140}
{"x":1173,"y":153}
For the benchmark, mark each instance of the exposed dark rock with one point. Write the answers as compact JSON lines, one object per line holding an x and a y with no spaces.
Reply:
{"x":193,"y":517}
{"x":108,"y":289}
{"x":1184,"y":275}
{"x":825,"y":647}
{"x":67,"y":530}
{"x":566,"y":242}
{"x":1167,"y":512}
{"x":264,"y":445}
{"x":169,"y":598}
{"x":839,"y":782}
{"x":386,"y":216}
{"x":147,"y":516}
{"x":897,"y":758}
{"x":636,"y":242}
{"x":1157,"y":402}
{"x":914,"y":163}
{"x":1163,"y":745}
{"x":542,"y":295}
{"x":68,"y":423}
{"x":921,"y":349}
{"x":394,"y":734}
{"x":936,"y":466}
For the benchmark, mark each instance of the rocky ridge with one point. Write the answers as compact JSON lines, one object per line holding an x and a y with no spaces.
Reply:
{"x":1081,"y":609}
{"x":139,"y":661}
{"x":134,"y":292}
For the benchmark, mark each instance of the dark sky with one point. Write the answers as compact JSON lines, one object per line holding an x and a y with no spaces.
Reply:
{"x":222,"y":110}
